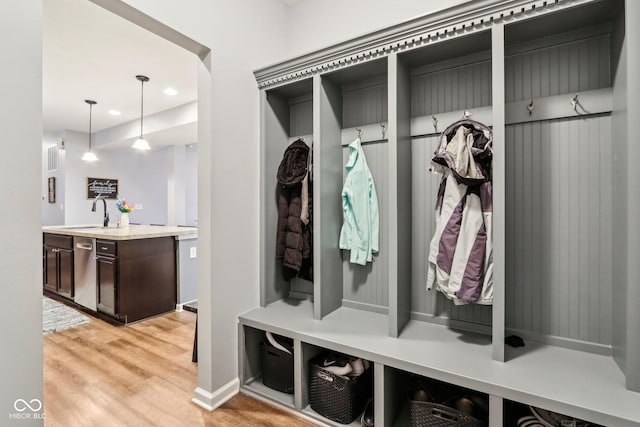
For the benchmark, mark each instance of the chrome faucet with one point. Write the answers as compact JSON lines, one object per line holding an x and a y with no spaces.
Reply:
{"x":105,"y":221}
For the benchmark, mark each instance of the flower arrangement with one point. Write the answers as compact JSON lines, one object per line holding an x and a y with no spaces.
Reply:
{"x":123,"y":206}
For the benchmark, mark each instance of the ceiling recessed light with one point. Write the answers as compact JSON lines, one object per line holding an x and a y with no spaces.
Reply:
{"x":170,"y":91}
{"x":114,"y":112}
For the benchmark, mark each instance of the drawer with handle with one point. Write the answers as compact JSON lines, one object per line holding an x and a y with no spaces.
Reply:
{"x":106,"y":247}
{"x":59,"y":241}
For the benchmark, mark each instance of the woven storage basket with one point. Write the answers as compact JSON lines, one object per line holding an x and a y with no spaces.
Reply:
{"x":341,"y":399}
{"x":427,"y":414}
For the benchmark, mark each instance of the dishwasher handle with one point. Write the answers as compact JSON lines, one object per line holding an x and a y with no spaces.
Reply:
{"x":84,"y":246}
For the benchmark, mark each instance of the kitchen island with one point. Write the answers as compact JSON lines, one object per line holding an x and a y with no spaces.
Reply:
{"x":127,"y":274}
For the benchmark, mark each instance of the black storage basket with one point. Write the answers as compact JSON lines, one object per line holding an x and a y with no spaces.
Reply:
{"x":277,"y":368}
{"x":427,"y":414}
{"x":339,"y":398}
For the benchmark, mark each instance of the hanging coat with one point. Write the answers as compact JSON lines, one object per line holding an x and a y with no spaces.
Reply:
{"x":461,"y":250}
{"x":294,"y":239}
{"x":360,"y":230}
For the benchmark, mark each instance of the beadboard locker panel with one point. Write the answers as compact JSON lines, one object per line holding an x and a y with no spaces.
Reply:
{"x":363,"y":93}
{"x":451,"y":75}
{"x":365,"y":103}
{"x":300,"y":124}
{"x":459,"y":88}
{"x":285,"y":113}
{"x":366,"y":287}
{"x":569,"y":67}
{"x":427,"y":305}
{"x":301,"y":116}
{"x":363,"y":100}
{"x":559,"y":211}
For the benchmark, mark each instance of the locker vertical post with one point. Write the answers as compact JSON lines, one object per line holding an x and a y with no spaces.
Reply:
{"x":498,"y":98}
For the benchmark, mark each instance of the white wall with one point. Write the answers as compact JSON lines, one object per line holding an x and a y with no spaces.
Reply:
{"x":142,"y":180}
{"x":176,"y":164}
{"x":314,"y":24}
{"x":242,"y":36}
{"x":20,"y":213}
{"x":191,"y":185}
{"x":53,"y":213}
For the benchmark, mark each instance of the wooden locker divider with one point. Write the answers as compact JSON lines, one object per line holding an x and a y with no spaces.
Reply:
{"x":327,"y":183}
{"x":400,"y":241}
{"x":497,"y":61}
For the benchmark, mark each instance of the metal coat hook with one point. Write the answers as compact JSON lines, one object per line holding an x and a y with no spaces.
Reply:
{"x":574,"y":103}
{"x":434,"y":120}
{"x":384,"y":129}
{"x":530,"y":107}
{"x":359,"y":132}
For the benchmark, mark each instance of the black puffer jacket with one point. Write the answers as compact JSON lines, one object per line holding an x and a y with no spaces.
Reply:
{"x":294,"y":238}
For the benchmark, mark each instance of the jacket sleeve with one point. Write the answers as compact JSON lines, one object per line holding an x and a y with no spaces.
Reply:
{"x":374,"y":216}
{"x":347,"y":232}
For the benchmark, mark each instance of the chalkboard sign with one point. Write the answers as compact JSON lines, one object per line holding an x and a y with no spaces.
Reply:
{"x":107,"y":188}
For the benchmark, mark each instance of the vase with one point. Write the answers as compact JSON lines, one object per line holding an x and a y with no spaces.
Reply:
{"x":124,"y":220}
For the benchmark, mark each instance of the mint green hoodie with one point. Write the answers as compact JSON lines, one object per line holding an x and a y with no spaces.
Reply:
{"x":360,"y":230}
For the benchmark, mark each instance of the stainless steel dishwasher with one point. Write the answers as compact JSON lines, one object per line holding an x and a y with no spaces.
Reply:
{"x":84,"y":258}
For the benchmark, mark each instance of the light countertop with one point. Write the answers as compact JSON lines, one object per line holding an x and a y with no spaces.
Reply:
{"x":127,"y":233}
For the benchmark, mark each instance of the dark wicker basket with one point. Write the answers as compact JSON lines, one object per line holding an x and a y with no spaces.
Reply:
{"x":340,"y":399}
{"x":427,"y":414}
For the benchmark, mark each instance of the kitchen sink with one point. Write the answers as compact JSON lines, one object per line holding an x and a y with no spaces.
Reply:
{"x":80,"y":227}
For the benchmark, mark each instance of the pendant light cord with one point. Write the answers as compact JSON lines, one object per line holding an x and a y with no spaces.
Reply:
{"x":141,"y":106}
{"x":91,"y":103}
{"x":141,"y":144}
{"x":90,"y":110}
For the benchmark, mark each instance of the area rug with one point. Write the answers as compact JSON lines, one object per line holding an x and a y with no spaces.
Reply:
{"x":58,"y":317}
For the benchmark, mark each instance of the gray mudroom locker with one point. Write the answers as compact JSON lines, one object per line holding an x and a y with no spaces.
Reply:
{"x":557,"y":83}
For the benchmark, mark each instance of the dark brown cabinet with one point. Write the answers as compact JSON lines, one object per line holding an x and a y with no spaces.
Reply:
{"x":58,"y":264}
{"x":106,"y":271}
{"x":136,"y":278}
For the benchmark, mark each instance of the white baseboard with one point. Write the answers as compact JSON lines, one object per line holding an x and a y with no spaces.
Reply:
{"x":180,"y":305}
{"x":211,"y":401}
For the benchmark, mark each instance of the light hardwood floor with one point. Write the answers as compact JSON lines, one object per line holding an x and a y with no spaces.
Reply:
{"x":97,"y":374}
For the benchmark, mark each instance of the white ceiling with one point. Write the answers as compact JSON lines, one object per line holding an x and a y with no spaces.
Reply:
{"x":90,"y":53}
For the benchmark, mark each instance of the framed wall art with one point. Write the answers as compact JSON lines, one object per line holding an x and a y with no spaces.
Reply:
{"x":51,"y":189}
{"x":105,"y":187}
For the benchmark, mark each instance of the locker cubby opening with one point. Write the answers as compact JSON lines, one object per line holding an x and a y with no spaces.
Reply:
{"x":287,"y":116}
{"x":449,"y":76}
{"x":560,"y":174}
{"x":518,"y":414}
{"x":353,"y":102}
{"x":251,"y":369}
{"x":362,"y":96}
{"x":437,"y":85}
{"x":401,"y":387}
{"x":312,"y":354}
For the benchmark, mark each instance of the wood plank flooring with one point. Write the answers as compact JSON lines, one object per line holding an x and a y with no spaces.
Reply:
{"x":97,"y":374}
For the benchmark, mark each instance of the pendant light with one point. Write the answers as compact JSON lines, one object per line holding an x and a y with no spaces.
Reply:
{"x":89,"y":156}
{"x":141,"y":143}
